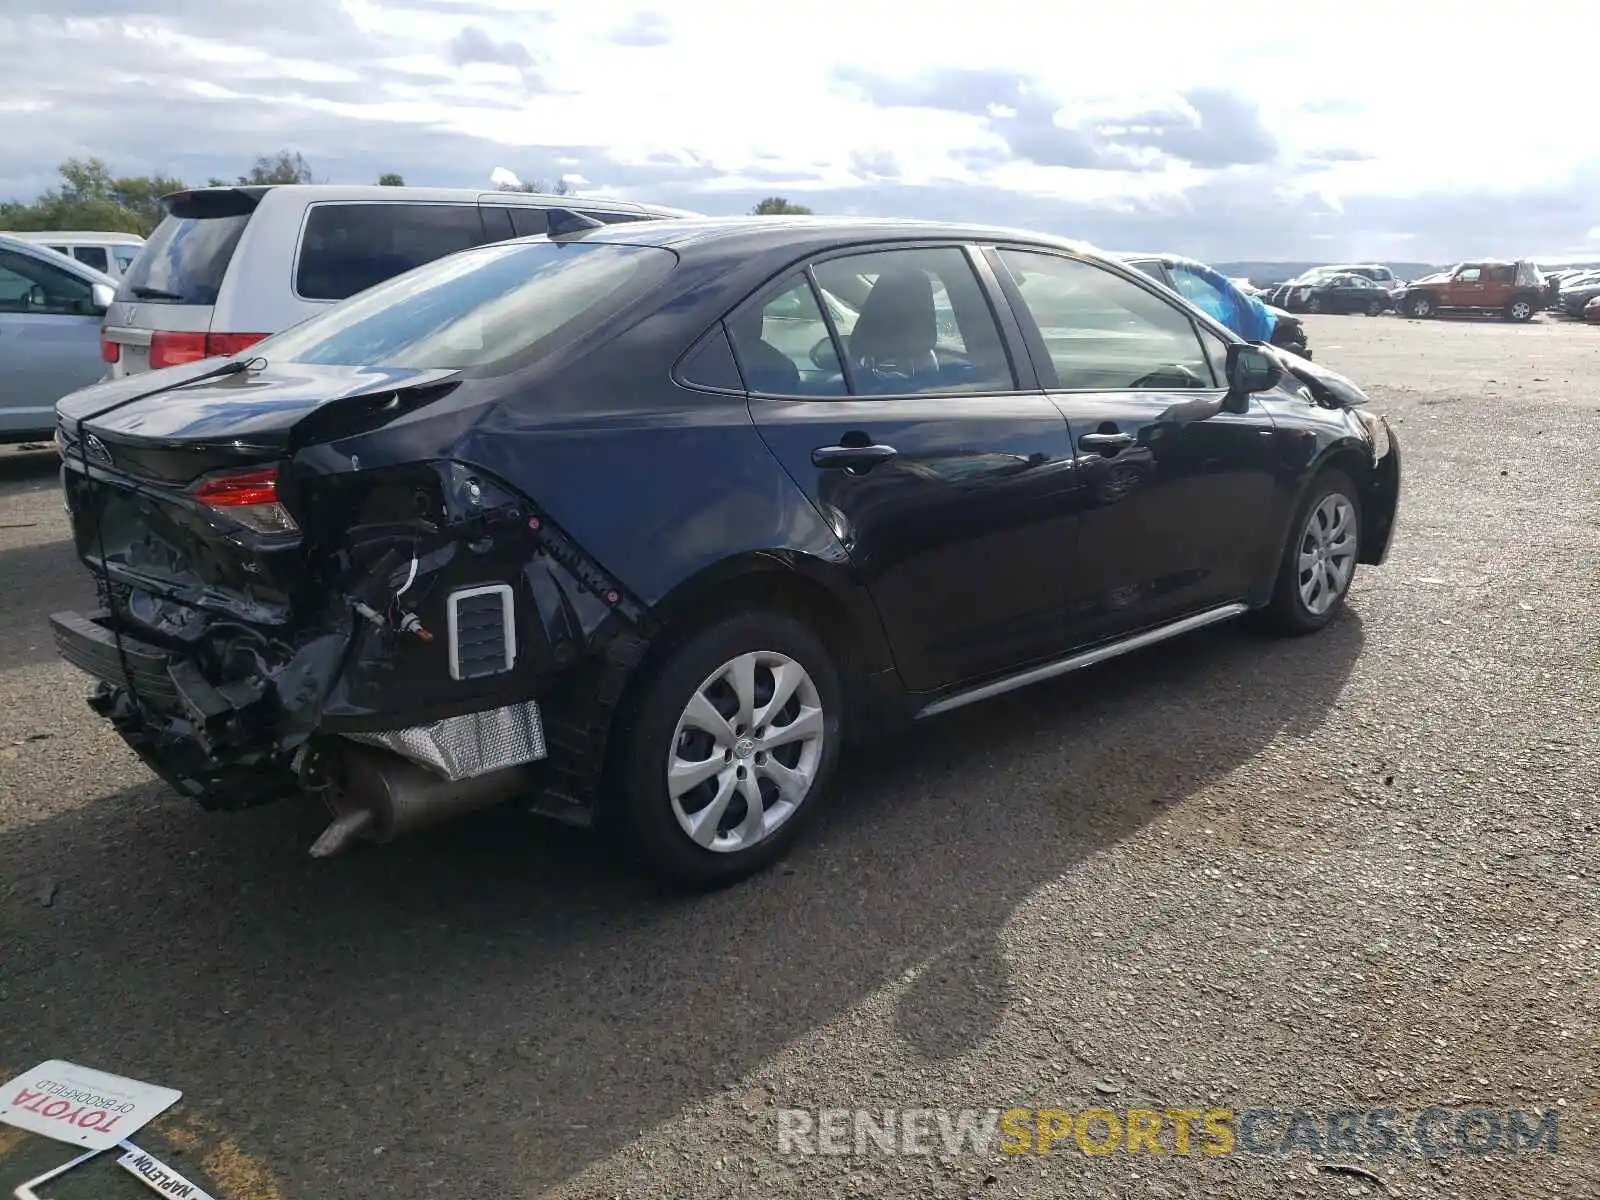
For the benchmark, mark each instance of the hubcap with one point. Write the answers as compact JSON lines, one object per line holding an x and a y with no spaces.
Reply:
{"x":1327,"y":553}
{"x":1519,"y":310}
{"x":746,"y":751}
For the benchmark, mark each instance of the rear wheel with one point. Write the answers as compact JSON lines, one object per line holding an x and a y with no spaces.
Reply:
{"x":1319,"y":560}
{"x":1421,"y":306}
{"x":730,"y":747}
{"x":1520,"y":309}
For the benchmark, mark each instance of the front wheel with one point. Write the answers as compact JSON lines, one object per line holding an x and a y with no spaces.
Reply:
{"x":730,"y":747}
{"x":1420,"y":307}
{"x":1314,"y":304}
{"x":1319,"y":560}
{"x":1520,"y":309}
{"x":1374,"y":308}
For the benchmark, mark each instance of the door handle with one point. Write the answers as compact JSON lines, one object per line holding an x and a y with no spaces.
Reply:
{"x":1104,"y":443}
{"x":852,"y":458}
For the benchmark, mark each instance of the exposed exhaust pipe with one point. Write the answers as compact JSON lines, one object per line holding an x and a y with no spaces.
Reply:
{"x":385,"y":796}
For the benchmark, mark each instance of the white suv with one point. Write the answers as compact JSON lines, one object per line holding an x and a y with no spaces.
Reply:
{"x":230,"y":265}
{"x":109,"y":253}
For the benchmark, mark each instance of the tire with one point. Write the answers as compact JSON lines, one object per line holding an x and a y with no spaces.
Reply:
{"x":1375,"y":308}
{"x":1314,"y":304}
{"x":1421,"y":307}
{"x":1290,"y":611}
{"x":663,"y":726}
{"x":1520,"y":309}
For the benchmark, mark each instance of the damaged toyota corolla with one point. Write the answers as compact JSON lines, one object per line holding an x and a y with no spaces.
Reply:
{"x":637,"y":525}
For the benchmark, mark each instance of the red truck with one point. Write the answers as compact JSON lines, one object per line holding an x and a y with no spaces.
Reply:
{"x":1512,"y":290}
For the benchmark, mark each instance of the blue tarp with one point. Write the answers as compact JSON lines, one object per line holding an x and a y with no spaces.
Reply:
{"x":1249,"y":318}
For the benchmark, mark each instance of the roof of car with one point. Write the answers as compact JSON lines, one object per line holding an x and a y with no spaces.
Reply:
{"x":374,"y":191}
{"x":64,"y":261}
{"x":82,"y":236}
{"x":774,"y":231}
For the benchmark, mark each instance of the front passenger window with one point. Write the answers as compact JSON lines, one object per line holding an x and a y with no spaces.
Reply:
{"x":1103,"y":332}
{"x":28,"y":285}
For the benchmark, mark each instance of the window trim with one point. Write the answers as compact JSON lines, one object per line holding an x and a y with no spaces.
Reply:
{"x":1024,"y":378}
{"x":1044,"y":365}
{"x":305,"y":221}
{"x":717,"y":328}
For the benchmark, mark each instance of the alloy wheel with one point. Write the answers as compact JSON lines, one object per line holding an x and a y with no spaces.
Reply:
{"x":1521,"y":310}
{"x":746,"y":751}
{"x":1327,"y":553}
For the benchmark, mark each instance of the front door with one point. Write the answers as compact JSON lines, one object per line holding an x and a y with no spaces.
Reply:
{"x":1177,"y":494}
{"x":947,"y":476}
{"x":49,"y":340}
{"x":1465,"y":289}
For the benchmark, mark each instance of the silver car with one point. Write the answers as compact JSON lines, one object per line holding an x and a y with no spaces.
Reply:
{"x":229,"y":265}
{"x":51,"y":309}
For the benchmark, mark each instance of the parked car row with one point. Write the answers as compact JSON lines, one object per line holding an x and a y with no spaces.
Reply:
{"x":637,"y":522}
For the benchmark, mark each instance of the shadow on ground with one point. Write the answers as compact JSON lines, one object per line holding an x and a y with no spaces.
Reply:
{"x":496,"y":1003}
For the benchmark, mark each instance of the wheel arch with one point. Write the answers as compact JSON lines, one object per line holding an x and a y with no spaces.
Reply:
{"x":1378,"y":483}
{"x":821,"y":594}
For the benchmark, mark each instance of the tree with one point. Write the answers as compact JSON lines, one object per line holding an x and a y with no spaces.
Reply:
{"x":391,"y":179}
{"x":777,"y":206}
{"x":560,"y":188}
{"x":286,"y":166}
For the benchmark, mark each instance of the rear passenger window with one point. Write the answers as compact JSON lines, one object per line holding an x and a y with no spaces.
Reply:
{"x":914,"y":321}
{"x":347,"y":248}
{"x":784,"y":346}
{"x":529,"y":222}
{"x":92,"y":256}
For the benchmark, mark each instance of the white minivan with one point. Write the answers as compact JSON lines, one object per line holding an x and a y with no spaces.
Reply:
{"x":109,"y":253}
{"x":228,"y":266}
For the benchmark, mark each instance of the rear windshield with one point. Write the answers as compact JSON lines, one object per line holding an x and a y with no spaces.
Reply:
{"x":496,"y":306}
{"x":184,"y":260}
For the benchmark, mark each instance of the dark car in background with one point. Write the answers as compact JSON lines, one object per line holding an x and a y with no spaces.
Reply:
{"x":1223,"y":299}
{"x":567,"y":521}
{"x":1284,"y":295}
{"x":1339,"y":293}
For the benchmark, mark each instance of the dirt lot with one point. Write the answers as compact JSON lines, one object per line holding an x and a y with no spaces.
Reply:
{"x":1353,"y":871}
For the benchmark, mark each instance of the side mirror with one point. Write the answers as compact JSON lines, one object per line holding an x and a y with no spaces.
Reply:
{"x":101,"y":295}
{"x":1251,"y":369}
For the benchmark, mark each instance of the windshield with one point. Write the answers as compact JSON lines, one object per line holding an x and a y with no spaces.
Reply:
{"x":475,"y":308}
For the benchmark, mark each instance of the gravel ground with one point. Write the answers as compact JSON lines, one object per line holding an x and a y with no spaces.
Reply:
{"x":1350,"y":871}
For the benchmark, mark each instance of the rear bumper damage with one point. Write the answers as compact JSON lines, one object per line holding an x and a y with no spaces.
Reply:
{"x":407,"y":673}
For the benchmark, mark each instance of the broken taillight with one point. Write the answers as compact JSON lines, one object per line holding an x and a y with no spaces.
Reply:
{"x":250,"y":498}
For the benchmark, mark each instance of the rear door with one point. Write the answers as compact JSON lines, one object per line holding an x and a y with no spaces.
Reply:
{"x":943,"y":470}
{"x":49,"y":340}
{"x":1177,"y":495}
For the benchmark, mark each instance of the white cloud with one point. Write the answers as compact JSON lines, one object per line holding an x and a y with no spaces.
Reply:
{"x":1153,"y":106}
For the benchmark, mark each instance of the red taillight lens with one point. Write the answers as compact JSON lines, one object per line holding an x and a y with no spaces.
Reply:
{"x":173,"y":349}
{"x":251,"y":498}
{"x":109,"y":350}
{"x":230,"y":491}
{"x":169,"y":349}
{"x":231,"y":343}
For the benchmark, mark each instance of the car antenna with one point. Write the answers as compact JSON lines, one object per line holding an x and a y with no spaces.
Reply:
{"x":566,"y":221}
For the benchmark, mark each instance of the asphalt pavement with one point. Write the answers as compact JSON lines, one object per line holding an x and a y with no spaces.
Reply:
{"x":1352,"y":871}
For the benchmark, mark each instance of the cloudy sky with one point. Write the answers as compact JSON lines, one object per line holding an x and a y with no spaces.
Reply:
{"x":1425,"y":130}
